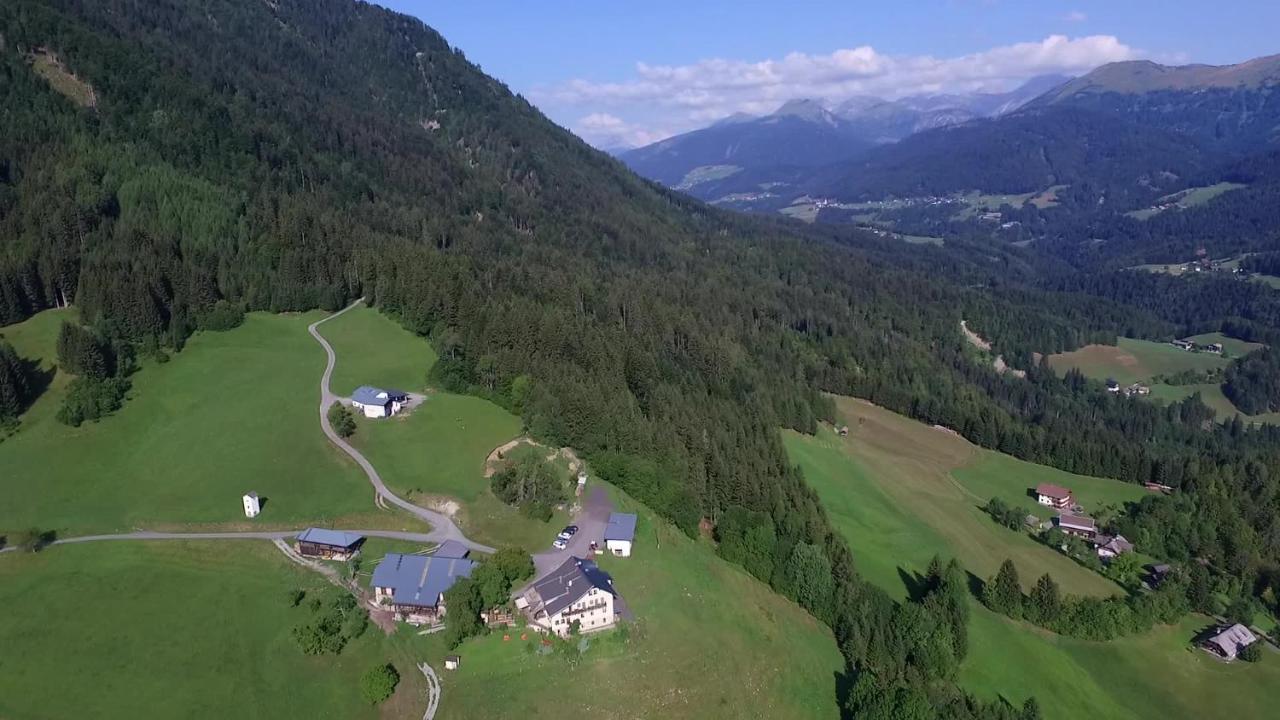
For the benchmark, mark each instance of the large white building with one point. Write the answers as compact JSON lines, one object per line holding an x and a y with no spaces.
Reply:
{"x":577,"y":592}
{"x":376,"y":402}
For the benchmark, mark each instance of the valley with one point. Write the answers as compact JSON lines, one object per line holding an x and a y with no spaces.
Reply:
{"x":902,"y":492}
{"x":343,"y":377}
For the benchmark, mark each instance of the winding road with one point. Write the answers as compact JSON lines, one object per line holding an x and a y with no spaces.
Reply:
{"x":442,"y":526}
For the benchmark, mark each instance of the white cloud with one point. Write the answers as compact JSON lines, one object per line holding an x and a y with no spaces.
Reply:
{"x":659,"y":100}
{"x":610,"y":131}
{"x":1075,"y":16}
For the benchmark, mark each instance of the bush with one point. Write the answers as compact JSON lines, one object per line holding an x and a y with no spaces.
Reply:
{"x":336,"y":619}
{"x":90,"y":399}
{"x":379,"y":683}
{"x":1251,"y":652}
{"x":531,"y":484}
{"x":343,"y":422}
{"x":222,"y":315}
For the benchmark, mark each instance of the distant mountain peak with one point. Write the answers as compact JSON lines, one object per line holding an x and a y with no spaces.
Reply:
{"x":806,"y":109}
{"x":1135,"y":77}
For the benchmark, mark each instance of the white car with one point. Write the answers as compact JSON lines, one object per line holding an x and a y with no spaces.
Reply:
{"x":560,"y":544}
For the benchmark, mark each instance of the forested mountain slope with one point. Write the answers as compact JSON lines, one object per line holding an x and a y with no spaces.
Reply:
{"x":162,"y":156}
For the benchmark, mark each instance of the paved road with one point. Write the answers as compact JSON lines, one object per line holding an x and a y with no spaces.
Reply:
{"x":442,"y":525}
{"x":247,"y":535}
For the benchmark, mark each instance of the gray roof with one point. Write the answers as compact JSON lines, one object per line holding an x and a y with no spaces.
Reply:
{"x":451,"y":549}
{"x":1232,"y":640}
{"x":336,"y":538}
{"x":1079,"y":522}
{"x":622,"y":526}
{"x":369,"y":395}
{"x":419,"y":580}
{"x":563,"y":586}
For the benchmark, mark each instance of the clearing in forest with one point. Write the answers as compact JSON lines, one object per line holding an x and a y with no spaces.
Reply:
{"x":1131,"y":361}
{"x":889,"y":486}
{"x":233,"y":412}
{"x":885,"y":489}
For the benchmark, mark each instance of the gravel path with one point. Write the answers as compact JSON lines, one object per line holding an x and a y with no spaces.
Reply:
{"x":443,"y":527}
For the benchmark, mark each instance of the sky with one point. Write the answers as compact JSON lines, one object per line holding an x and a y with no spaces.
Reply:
{"x":628,"y":73}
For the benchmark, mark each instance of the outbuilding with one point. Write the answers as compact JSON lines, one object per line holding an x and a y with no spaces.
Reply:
{"x":620,"y":533}
{"x":328,"y":544}
{"x":252,"y":504}
{"x":1078,"y":525}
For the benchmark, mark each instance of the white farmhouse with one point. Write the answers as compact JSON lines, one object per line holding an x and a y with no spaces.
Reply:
{"x":252,"y":505}
{"x":577,"y":592}
{"x":376,"y":402}
{"x":619,"y":533}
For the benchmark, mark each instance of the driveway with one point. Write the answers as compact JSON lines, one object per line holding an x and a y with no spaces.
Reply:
{"x":590,"y":521}
{"x":442,"y":526}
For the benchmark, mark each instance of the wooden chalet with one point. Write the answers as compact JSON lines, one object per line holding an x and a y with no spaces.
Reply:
{"x":328,"y":544}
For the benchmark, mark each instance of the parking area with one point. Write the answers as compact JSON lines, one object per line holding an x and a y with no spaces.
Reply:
{"x":590,"y":521}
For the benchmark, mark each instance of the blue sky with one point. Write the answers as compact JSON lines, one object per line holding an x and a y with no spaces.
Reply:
{"x":627,"y":73}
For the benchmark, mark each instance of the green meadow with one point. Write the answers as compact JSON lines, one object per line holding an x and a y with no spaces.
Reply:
{"x":993,"y":474}
{"x":434,"y":454}
{"x":178,"y":629}
{"x":374,"y":349}
{"x":709,"y":641}
{"x":878,"y":485}
{"x":234,"y":411}
{"x":889,"y":487}
{"x":1131,"y":361}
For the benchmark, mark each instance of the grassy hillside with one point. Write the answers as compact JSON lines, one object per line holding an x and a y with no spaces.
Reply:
{"x":1155,"y":676}
{"x":374,"y":349}
{"x":993,"y":474}
{"x":1133,"y":361}
{"x":870,"y":484}
{"x":889,"y":488}
{"x":710,"y":641}
{"x":435,"y":454}
{"x":191,"y":630}
{"x":233,"y":412}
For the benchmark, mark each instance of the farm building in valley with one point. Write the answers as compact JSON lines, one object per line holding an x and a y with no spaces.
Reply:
{"x":376,"y":402}
{"x":1078,"y":525}
{"x":1109,"y":547}
{"x":1054,"y":496}
{"x":620,"y":533}
{"x":413,"y":586}
{"x":1228,"y":642}
{"x":328,"y":544}
{"x":576,"y":592}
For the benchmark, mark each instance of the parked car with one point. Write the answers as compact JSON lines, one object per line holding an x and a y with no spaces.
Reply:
{"x":560,"y":544}
{"x":568,"y":532}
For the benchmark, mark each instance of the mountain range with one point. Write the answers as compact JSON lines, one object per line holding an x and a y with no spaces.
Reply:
{"x":806,"y":133}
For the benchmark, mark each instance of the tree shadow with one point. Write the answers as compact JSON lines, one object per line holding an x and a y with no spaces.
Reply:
{"x":38,"y":380}
{"x":975,"y":583}
{"x":844,"y":680}
{"x":915,"y":583}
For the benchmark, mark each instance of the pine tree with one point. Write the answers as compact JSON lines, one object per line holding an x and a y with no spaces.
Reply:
{"x":1003,"y":593}
{"x":1045,"y":602}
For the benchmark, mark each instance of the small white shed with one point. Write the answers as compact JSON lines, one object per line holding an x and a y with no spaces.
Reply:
{"x":252,"y":506}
